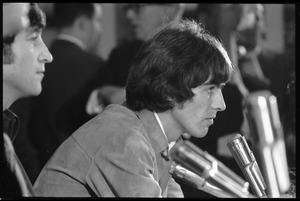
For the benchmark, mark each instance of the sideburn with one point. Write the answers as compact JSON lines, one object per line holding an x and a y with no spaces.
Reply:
{"x":8,"y":56}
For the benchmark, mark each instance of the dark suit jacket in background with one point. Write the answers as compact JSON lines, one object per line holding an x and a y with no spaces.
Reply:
{"x":118,"y":64}
{"x":60,"y":109}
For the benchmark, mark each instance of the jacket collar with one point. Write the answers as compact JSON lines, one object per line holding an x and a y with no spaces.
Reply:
{"x":157,"y":138}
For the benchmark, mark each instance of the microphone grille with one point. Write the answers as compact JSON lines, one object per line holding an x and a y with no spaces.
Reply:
{"x":234,"y":138}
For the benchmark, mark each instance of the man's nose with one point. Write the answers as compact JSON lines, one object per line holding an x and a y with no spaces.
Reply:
{"x":219,"y":103}
{"x":45,"y":56}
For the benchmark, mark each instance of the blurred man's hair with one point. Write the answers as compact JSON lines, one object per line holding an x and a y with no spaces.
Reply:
{"x":65,"y":14}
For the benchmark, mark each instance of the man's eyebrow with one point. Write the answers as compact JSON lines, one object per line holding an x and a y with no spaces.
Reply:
{"x":218,"y":85}
{"x":35,"y":29}
{"x":207,"y":83}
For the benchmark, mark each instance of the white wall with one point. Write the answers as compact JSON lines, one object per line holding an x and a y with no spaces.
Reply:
{"x":275,"y":26}
{"x":108,"y":40}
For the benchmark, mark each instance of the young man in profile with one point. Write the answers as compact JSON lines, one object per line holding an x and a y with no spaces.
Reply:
{"x":24,"y":58}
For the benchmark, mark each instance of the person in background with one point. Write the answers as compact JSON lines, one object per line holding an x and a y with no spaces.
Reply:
{"x":24,"y":58}
{"x":60,"y":109}
{"x":174,"y":86}
{"x":262,"y":68}
{"x":112,"y":78}
{"x":265,"y":69}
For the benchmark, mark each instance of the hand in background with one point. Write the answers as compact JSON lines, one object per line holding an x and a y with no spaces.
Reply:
{"x":103,"y":96}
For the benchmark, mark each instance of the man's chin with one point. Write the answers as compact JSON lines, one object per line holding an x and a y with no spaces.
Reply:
{"x":201,"y":134}
{"x":36,"y":92}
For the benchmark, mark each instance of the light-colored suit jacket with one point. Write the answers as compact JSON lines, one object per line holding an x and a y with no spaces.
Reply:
{"x":116,"y":154}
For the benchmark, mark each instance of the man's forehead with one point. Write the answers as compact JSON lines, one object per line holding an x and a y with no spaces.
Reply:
{"x":15,"y":17}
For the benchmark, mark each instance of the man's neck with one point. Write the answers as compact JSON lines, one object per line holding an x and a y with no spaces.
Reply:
{"x":173,"y":132}
{"x":72,"y":36}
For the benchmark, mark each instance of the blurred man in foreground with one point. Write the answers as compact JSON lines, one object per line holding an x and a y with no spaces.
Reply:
{"x":24,"y":58}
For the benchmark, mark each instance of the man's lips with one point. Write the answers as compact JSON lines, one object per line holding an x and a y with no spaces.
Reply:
{"x":211,"y":119}
{"x":41,"y":72}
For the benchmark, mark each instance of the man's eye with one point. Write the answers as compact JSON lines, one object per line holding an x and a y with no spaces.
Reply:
{"x":211,"y":89}
{"x":35,"y":37}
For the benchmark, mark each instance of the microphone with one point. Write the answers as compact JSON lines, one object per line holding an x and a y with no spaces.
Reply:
{"x":195,"y":181}
{"x":267,"y":136}
{"x":245,"y":159}
{"x":212,"y":171}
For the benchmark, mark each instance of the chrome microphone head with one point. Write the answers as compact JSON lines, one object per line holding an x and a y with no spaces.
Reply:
{"x":210,"y":169}
{"x":247,"y":163}
{"x":195,"y":181}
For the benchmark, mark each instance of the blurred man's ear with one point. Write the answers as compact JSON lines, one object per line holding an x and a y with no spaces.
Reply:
{"x":81,"y":23}
{"x":174,"y":11}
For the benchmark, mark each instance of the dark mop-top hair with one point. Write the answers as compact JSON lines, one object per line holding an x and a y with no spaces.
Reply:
{"x":37,"y":19}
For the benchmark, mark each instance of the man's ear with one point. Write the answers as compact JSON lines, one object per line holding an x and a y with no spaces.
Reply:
{"x":8,"y":55}
{"x":81,"y":23}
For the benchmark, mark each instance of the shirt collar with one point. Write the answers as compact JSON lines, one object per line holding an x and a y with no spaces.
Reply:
{"x":10,"y":123}
{"x":72,"y":39}
{"x":171,"y":144}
